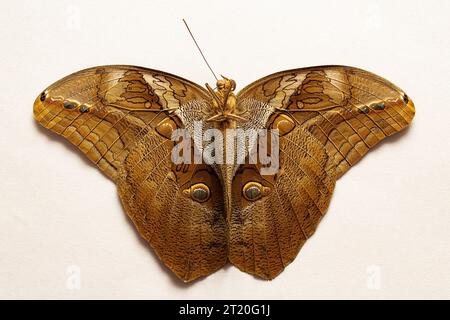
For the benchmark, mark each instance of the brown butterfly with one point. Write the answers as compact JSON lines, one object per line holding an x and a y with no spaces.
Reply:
{"x":199,"y":216}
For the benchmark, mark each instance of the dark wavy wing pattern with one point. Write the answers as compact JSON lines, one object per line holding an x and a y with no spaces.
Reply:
{"x":105,"y":110}
{"x":348,"y":110}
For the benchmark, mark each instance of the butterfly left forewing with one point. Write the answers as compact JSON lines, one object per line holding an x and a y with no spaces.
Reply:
{"x":105,"y":110}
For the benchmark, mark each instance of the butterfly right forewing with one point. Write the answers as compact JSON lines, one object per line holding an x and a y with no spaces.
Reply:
{"x":347,"y":109}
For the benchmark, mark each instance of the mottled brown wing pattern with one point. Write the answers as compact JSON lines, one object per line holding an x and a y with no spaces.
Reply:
{"x":348,"y":110}
{"x":190,"y":237}
{"x":329,"y":117}
{"x":104,"y":111}
{"x":122,"y":118}
{"x":266,"y":235}
{"x":197,"y":216}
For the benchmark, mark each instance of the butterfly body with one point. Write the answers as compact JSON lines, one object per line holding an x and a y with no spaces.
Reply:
{"x":224,"y":104}
{"x":211,"y":204}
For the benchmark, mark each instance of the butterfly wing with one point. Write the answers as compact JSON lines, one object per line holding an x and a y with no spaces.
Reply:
{"x":122,"y":118}
{"x":189,"y":236}
{"x":266,"y":234}
{"x":105,"y":110}
{"x":188,"y":233}
{"x":328,"y":118}
{"x":348,"y":110}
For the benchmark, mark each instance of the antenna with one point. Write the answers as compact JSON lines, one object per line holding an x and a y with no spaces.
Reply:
{"x":198,"y":47}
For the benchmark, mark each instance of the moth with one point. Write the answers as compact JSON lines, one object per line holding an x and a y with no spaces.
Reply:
{"x":200,"y":215}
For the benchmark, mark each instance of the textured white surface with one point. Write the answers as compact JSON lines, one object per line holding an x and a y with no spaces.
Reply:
{"x":386,"y":233}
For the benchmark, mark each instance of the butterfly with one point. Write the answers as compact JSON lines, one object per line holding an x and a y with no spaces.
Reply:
{"x":198,"y":216}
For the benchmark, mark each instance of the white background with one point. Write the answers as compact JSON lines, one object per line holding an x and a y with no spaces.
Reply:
{"x":387,"y":230}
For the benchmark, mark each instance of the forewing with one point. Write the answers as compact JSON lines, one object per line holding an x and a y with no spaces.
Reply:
{"x":348,"y":110}
{"x":105,"y":110}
